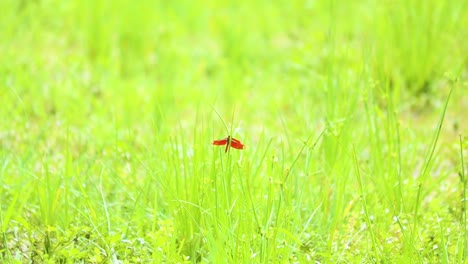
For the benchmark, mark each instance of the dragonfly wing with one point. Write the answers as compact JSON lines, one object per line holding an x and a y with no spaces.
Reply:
{"x":237,"y":144}
{"x":220,"y":142}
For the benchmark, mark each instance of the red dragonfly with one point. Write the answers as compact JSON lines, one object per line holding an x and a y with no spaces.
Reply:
{"x":229,"y":141}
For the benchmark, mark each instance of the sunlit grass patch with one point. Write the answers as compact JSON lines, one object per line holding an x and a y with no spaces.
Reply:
{"x":353,"y":151}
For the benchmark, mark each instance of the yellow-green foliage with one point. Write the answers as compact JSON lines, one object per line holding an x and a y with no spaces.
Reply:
{"x":354,"y":152}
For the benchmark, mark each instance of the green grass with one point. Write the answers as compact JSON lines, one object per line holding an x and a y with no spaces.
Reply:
{"x":352,"y":113}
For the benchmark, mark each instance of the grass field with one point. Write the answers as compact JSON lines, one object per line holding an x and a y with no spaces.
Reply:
{"x":353,"y":113}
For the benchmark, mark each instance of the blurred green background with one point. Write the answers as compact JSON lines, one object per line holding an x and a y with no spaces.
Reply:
{"x":108,"y":105}
{"x":87,"y":57}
